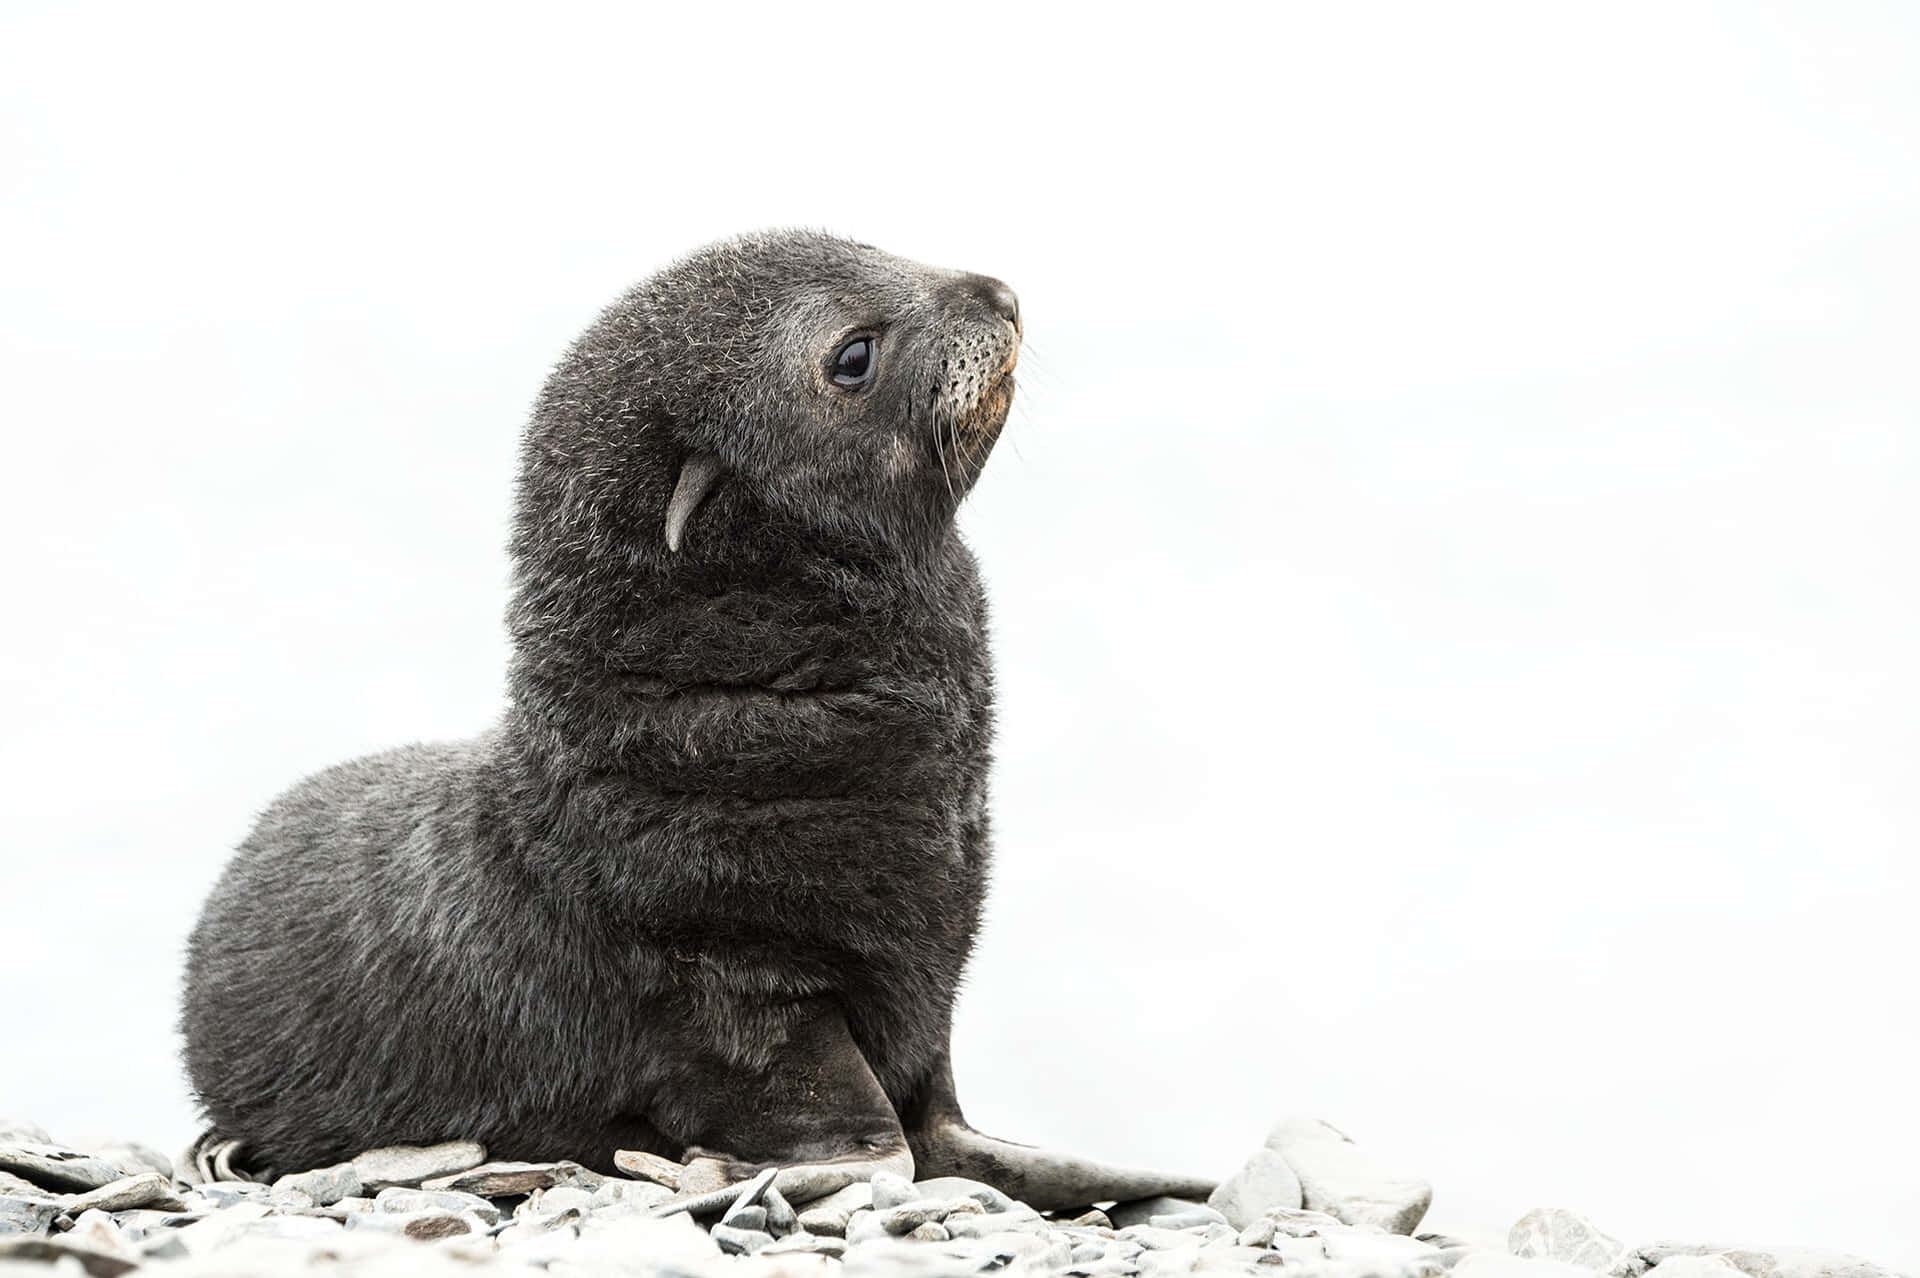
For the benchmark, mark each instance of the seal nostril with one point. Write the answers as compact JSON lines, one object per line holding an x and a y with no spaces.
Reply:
{"x":1004,"y":303}
{"x":998,"y":297}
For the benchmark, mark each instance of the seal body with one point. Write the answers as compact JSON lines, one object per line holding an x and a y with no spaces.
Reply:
{"x":709,"y":886}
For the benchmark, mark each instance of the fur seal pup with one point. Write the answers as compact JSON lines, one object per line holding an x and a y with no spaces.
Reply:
{"x":707,"y":888}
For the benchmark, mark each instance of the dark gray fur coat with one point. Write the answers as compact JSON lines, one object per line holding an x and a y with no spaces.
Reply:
{"x":730,"y":776}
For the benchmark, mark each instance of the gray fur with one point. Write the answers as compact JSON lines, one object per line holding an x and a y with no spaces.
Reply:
{"x":708,"y":888}
{"x":730,"y":777}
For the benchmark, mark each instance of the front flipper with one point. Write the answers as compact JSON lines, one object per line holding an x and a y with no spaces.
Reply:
{"x":943,"y":1145}
{"x":809,"y":1105}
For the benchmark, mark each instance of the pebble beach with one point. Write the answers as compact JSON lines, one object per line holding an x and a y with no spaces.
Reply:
{"x":1308,"y":1202}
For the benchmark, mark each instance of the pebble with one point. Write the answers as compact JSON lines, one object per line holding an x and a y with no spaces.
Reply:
{"x":55,"y":1253}
{"x":740,"y":1242}
{"x":1339,"y":1178}
{"x":960,"y":1187}
{"x":1265,"y":1181}
{"x":1755,"y":1262}
{"x":18,"y":1131}
{"x":400,"y":1199}
{"x":661,"y":1171}
{"x":1141,"y":1210}
{"x":149,"y":1189}
{"x":424,"y":1225}
{"x":1487,"y":1263}
{"x":805,"y":1242}
{"x":499,"y":1180}
{"x":622,"y":1197}
{"x":1282,"y":1222}
{"x":890,"y":1190}
{"x":133,"y":1158}
{"x":1696,"y":1267}
{"x":225,"y":1193}
{"x":781,"y":1218}
{"x":411,"y":1165}
{"x":51,"y":1167}
{"x":829,"y":1215}
{"x":753,"y":1216}
{"x":1554,"y":1233}
{"x":19,"y":1187}
{"x":557,"y":1201}
{"x":1348,"y":1221}
{"x":1092,"y":1218}
{"x":322,"y":1186}
{"x":26,"y":1215}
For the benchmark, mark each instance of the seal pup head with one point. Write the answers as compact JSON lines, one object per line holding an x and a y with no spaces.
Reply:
{"x":839,"y":386}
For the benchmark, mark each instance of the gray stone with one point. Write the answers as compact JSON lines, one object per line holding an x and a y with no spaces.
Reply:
{"x":1092,"y":1218}
{"x":661,"y":1171}
{"x":960,"y":1187}
{"x":141,"y":1224}
{"x":278,"y":1228}
{"x":800,"y":1241}
{"x":740,"y":1242}
{"x":1152,"y":1238}
{"x":26,"y":1215}
{"x":1696,"y":1267}
{"x":226,"y":1193}
{"x":1022,"y":1219}
{"x":890,"y":1190}
{"x":425,"y":1225}
{"x":1488,"y":1263}
{"x":622,"y":1197}
{"x":164,"y":1246}
{"x":531,"y":1243}
{"x":18,"y":1131}
{"x":781,"y":1218}
{"x":639,"y":1244}
{"x":754,"y":1190}
{"x":1554,"y":1233}
{"x":52,"y":1167}
{"x":1354,"y":1244}
{"x":1338,"y":1177}
{"x":133,"y":1158}
{"x":411,"y":1165}
{"x":19,"y":1187}
{"x":399,"y":1199}
{"x":149,"y":1189}
{"x":1265,"y":1181}
{"x":55,"y":1252}
{"x":210,"y":1231}
{"x":558,"y":1201}
{"x":1232,"y":1259}
{"x":927,"y":1231}
{"x":750,"y":1216}
{"x":1141,"y":1210}
{"x":323,"y":1185}
{"x":1755,"y":1262}
{"x":500,"y":1180}
{"x":829,"y":1216}
{"x":824,"y":1222}
{"x":1192,"y":1218}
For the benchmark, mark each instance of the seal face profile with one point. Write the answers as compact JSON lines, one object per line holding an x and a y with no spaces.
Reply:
{"x":708,"y":887}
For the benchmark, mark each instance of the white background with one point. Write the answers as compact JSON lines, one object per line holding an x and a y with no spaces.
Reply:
{"x":1453,"y":558}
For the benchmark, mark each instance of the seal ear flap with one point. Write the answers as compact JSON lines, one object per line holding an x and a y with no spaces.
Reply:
{"x":698,"y":474}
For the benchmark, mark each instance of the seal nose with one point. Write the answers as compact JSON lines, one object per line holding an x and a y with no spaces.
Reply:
{"x":1000,"y":299}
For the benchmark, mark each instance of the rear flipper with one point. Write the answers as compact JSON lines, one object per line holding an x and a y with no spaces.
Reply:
{"x":943,"y":1145}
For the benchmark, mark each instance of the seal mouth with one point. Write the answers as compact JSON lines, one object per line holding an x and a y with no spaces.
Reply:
{"x":989,"y":413}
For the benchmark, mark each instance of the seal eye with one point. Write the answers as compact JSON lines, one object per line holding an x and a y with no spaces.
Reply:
{"x":853,"y":364}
